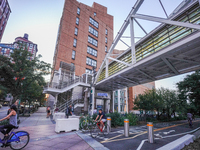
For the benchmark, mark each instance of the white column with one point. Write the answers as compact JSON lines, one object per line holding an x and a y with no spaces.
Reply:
{"x":93,"y":91}
{"x":132,"y":41}
{"x":106,"y":75}
{"x":118,"y":100}
{"x":56,"y":99}
{"x":127,"y":100}
{"x":113,"y":101}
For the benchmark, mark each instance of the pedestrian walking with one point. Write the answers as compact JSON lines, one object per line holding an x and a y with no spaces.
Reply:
{"x":48,"y":111}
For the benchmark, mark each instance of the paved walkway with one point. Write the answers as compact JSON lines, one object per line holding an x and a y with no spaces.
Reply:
{"x":43,"y":135}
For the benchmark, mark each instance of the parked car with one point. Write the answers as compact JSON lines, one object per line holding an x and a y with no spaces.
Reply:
{"x":0,"y":105}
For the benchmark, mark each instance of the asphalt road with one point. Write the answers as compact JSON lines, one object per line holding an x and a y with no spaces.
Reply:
{"x":164,"y":133}
{"x":3,"y":111}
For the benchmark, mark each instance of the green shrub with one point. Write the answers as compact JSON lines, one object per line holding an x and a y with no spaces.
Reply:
{"x":133,"y":120}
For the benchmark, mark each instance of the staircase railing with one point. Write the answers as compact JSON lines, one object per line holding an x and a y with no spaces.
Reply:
{"x":85,"y":78}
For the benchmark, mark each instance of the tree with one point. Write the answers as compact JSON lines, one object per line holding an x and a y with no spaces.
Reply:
{"x":189,"y":92}
{"x":20,"y":73}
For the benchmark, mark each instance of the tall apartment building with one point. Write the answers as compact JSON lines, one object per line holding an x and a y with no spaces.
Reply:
{"x":85,"y":33}
{"x":4,"y":15}
{"x":6,"y":49}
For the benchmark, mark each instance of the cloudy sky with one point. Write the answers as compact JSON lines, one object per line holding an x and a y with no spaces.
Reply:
{"x":40,"y":19}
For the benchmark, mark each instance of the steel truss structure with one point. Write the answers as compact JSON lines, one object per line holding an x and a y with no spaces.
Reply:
{"x":171,"y":49}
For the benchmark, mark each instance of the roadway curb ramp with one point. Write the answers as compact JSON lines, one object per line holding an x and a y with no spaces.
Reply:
{"x":93,"y":143}
{"x":179,"y":143}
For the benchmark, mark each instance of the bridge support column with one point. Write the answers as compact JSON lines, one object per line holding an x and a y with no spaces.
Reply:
{"x":106,"y":75}
{"x":93,"y":92}
{"x":86,"y":102}
{"x":118,"y":92}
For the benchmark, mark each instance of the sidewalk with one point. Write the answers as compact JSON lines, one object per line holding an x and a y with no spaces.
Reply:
{"x":43,"y":135}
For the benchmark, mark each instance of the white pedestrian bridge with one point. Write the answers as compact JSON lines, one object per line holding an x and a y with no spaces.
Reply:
{"x":171,"y":49}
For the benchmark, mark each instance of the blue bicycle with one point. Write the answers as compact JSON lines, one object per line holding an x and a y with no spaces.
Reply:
{"x":17,"y":140}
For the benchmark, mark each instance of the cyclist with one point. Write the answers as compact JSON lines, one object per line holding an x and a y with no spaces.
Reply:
{"x":189,"y":116}
{"x":12,"y":122}
{"x":102,"y":118}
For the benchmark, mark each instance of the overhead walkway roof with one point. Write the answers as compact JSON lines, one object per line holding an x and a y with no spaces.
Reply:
{"x":171,"y":49}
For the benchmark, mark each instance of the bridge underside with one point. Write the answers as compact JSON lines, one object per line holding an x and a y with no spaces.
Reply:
{"x":178,"y":58}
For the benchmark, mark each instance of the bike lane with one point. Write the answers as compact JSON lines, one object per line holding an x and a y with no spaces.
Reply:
{"x":164,"y":133}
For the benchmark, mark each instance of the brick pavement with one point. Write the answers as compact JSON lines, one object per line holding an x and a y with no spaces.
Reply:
{"x":43,"y":135}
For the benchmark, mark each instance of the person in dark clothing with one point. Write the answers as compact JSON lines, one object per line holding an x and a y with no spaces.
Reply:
{"x":69,"y":111}
{"x":102,"y":118}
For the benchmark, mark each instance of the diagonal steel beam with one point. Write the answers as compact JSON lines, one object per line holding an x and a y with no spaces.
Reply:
{"x":163,"y":8}
{"x":150,"y":77}
{"x":119,"y":61}
{"x":166,"y":21}
{"x":170,"y":65}
{"x":140,"y":26}
{"x":185,"y":60}
{"x":129,"y":80}
{"x":124,"y":43}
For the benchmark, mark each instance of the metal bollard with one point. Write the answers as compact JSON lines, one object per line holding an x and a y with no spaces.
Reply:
{"x":126,"y":127}
{"x":150,"y":132}
{"x":109,"y":124}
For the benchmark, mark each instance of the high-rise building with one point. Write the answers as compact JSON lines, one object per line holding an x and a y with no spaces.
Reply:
{"x":7,"y":49}
{"x":4,"y":15}
{"x":85,"y":34}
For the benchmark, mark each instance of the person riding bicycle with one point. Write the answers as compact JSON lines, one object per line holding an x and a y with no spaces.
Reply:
{"x":189,"y":116}
{"x":102,"y":118}
{"x":12,"y":122}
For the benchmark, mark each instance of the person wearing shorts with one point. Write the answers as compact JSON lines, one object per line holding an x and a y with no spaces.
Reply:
{"x":102,"y":118}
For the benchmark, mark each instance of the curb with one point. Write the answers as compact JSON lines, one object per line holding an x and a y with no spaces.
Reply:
{"x":93,"y":143}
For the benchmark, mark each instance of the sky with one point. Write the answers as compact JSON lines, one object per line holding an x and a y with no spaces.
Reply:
{"x":40,"y":19}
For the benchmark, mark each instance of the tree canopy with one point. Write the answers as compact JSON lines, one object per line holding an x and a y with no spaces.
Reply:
{"x":22,"y":76}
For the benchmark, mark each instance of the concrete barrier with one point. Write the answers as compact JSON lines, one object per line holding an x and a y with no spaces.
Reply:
{"x":67,"y":124}
{"x":58,"y":115}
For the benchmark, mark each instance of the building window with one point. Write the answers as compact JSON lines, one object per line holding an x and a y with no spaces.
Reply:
{"x":106,"y":40}
{"x":95,"y":13}
{"x":75,"y":42}
{"x":106,"y":32}
{"x":92,"y":41}
{"x":94,"y":23}
{"x":88,"y":71}
{"x":77,"y":20}
{"x":106,"y":48}
{"x":76,"y":31}
{"x":93,"y":31}
{"x":73,"y":54}
{"x":78,"y":11}
{"x":91,"y":51}
{"x":91,"y":62}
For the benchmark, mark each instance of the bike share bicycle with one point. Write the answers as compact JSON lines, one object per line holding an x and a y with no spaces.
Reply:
{"x":16,"y":140}
{"x":97,"y":129}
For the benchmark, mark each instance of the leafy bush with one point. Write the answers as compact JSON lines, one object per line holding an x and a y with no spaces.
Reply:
{"x":133,"y":120}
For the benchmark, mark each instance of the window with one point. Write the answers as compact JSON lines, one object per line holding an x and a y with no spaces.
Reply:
{"x":93,"y":31}
{"x":92,"y":41}
{"x":105,"y":48}
{"x":88,"y":71}
{"x":76,"y":31}
{"x":91,"y":62}
{"x":77,"y":20}
{"x":78,"y":11}
{"x":106,"y":40}
{"x":73,"y":54}
{"x":75,"y":41}
{"x":95,"y":13}
{"x":106,"y":32}
{"x":94,"y":23}
{"x":91,"y":51}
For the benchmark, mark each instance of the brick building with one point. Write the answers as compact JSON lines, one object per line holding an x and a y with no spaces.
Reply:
{"x":7,"y":49}
{"x":85,"y":33}
{"x":4,"y":15}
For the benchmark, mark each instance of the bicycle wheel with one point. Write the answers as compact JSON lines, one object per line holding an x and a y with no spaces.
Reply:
{"x":23,"y":140}
{"x":94,"y":131}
